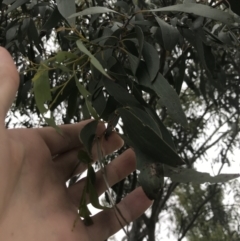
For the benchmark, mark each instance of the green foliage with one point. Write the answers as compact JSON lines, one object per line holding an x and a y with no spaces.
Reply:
{"x":212,"y":217}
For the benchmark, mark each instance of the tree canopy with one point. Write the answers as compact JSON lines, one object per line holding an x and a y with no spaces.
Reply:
{"x":164,"y":73}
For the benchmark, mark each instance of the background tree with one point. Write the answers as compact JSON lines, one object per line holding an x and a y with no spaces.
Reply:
{"x":165,"y":73}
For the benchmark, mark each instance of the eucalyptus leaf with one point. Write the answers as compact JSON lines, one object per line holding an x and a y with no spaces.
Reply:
{"x":170,"y":99}
{"x":84,"y":157}
{"x":93,"y":60}
{"x":91,"y":189}
{"x":16,"y":4}
{"x":93,"y":10}
{"x":165,"y":134}
{"x":41,"y":88}
{"x":168,"y":95}
{"x":7,"y":2}
{"x":85,"y":93}
{"x":151,"y":58}
{"x":87,"y":135}
{"x":140,"y":38}
{"x":191,"y":175}
{"x":53,"y":20}
{"x":67,"y":8}
{"x":170,"y":35}
{"x":61,"y":56}
{"x":148,"y":142}
{"x":120,"y":94}
{"x":134,"y":61}
{"x":11,"y":33}
{"x":146,"y":119}
{"x":91,"y":110}
{"x":123,"y":5}
{"x":200,"y":10}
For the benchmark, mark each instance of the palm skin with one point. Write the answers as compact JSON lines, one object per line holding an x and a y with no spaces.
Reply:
{"x":35,"y":203}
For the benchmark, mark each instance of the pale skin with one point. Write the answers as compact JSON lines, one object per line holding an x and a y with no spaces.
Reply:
{"x":34,"y":201}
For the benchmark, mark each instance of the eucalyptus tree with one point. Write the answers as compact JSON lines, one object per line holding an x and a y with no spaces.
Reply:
{"x":164,"y":74}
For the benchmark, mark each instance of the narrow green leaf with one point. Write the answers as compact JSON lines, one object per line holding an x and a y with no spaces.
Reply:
{"x":88,"y":134}
{"x":12,"y":33}
{"x":168,"y":95}
{"x":85,"y":93}
{"x":93,"y":195}
{"x":82,"y":47}
{"x":93,"y":10}
{"x":191,"y":175}
{"x":111,"y":106}
{"x":143,"y":23}
{"x":67,"y":8}
{"x":84,"y":157}
{"x":16,"y":4}
{"x":140,"y":38}
{"x":99,"y":102}
{"x":85,"y":111}
{"x":170,"y":99}
{"x":53,"y":20}
{"x":170,"y":35}
{"x":134,"y":61}
{"x":61,"y":56}
{"x":41,"y":88}
{"x":91,"y":110}
{"x":151,"y":58}
{"x":123,"y":5}
{"x":147,"y":142}
{"x":98,"y":66}
{"x":166,"y":136}
{"x":120,"y":94}
{"x":91,"y":176}
{"x":200,"y":10}
{"x":93,"y":60}
{"x":146,"y":119}
{"x":7,"y":2}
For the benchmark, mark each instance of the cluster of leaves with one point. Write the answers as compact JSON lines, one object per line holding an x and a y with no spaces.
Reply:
{"x":126,"y":63}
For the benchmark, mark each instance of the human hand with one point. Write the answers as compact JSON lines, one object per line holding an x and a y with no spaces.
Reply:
{"x":35,"y":203}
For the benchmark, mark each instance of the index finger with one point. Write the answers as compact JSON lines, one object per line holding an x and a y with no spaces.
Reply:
{"x":69,"y":139}
{"x":9,"y":82}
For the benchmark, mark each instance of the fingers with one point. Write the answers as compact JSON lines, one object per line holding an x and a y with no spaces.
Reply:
{"x":69,"y":139}
{"x":106,"y":223}
{"x":118,"y":169}
{"x":9,"y":81}
{"x":68,"y":161}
